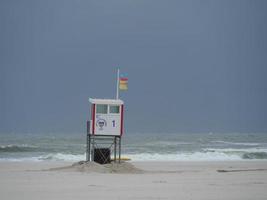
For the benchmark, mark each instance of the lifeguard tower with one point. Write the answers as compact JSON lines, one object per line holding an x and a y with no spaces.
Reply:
{"x":104,"y":130}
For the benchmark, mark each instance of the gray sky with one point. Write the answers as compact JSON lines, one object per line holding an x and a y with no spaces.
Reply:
{"x":193,"y":66}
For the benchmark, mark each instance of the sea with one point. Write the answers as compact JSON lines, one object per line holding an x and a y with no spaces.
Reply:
{"x":137,"y":146}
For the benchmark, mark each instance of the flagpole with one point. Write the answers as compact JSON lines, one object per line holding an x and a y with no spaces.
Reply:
{"x":118,"y":83}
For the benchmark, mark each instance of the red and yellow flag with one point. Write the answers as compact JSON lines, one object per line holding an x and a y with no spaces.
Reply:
{"x":123,"y":83}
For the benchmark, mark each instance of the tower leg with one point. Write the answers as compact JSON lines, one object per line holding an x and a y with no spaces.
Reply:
{"x":88,"y":141}
{"x":89,"y":150}
{"x":93,"y":149}
{"x":119,"y":149}
{"x":115,"y":149}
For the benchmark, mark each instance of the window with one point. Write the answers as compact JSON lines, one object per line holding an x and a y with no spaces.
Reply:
{"x":114,"y":109}
{"x":102,"y":109}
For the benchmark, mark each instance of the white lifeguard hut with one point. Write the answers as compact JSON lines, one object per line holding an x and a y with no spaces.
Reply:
{"x":105,"y":128}
{"x":106,"y":117}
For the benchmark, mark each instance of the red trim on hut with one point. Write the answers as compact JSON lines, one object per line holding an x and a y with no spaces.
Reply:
{"x":93,"y":118}
{"x":122,"y":109}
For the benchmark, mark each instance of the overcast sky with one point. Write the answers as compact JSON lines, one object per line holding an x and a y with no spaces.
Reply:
{"x":193,"y":66}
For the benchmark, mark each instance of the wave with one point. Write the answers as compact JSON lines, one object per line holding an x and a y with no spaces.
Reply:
{"x":17,"y":148}
{"x":229,"y":150}
{"x":209,"y":154}
{"x":49,"y":157}
{"x":255,"y":155}
{"x":237,"y":143}
{"x":200,"y":156}
{"x":250,"y":153}
{"x":30,"y":159}
{"x":167,"y":143}
{"x":196,"y":156}
{"x":63,"y":157}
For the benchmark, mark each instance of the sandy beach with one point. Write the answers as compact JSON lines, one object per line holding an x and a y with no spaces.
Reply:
{"x":155,"y":180}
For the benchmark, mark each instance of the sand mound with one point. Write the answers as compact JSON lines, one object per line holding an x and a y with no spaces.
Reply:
{"x":87,"y":166}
